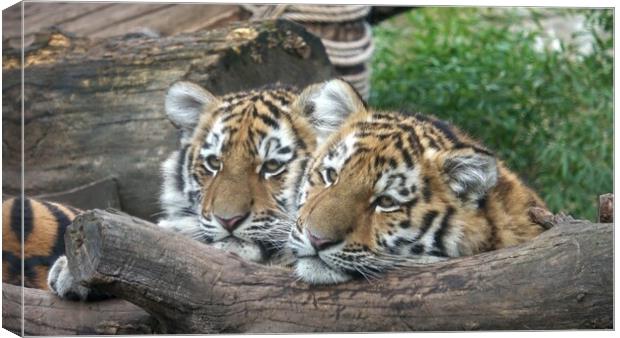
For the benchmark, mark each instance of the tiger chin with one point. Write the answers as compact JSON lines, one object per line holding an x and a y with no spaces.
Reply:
{"x":389,"y":191}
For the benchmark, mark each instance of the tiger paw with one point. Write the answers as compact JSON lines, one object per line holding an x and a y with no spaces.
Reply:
{"x":62,"y":283}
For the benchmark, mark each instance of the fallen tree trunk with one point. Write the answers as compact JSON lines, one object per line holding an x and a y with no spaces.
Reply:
{"x":561,"y":280}
{"x":46,"y":314}
{"x":94,"y":109}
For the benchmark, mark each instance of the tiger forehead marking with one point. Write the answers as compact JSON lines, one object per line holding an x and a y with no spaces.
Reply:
{"x":255,"y":126}
{"x":385,"y":174}
{"x":388,"y":189}
{"x":400,"y":182}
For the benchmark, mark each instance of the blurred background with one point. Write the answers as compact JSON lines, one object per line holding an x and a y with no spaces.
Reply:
{"x":534,"y":85}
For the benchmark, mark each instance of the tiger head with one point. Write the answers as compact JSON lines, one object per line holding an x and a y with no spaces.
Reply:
{"x":234,"y":179}
{"x":389,"y":189}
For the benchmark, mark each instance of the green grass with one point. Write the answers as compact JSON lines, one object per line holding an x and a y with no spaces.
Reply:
{"x":547,"y":113}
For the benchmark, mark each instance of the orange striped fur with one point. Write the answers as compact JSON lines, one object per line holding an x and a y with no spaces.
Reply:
{"x":388,"y":189}
{"x":43,"y":224}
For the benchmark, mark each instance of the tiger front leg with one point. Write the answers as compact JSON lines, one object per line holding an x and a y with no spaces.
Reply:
{"x":61,"y":282}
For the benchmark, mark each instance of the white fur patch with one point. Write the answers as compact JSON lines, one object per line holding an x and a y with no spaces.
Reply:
{"x":213,"y":143}
{"x":61,"y":282}
{"x":173,"y":200}
{"x":302,"y":246}
{"x":185,"y":101}
{"x":429,"y":152}
{"x":245,"y":250}
{"x":333,"y":103}
{"x":276,"y":140}
{"x":303,"y":190}
{"x":314,"y":271}
{"x":186,"y":225}
{"x":471,"y":176}
{"x":314,"y":267}
{"x":452,"y":238}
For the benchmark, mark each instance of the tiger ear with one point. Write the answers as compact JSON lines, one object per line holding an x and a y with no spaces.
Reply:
{"x":328,"y":104}
{"x":185,"y":102}
{"x":471,"y":174}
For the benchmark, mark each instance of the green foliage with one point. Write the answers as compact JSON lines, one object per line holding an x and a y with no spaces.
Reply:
{"x":548,"y":113}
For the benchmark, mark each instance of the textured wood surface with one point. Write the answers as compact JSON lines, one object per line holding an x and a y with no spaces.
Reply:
{"x":46,"y":314}
{"x":563,"y":279}
{"x":95,"y":108}
{"x":606,"y":208}
{"x":106,"y":19}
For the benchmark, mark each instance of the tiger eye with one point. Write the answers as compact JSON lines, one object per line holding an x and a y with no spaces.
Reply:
{"x":331,"y":174}
{"x":214,"y":162}
{"x":272,"y":166}
{"x":386,"y":202}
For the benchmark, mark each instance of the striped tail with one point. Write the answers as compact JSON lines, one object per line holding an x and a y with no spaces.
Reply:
{"x":44,"y":225}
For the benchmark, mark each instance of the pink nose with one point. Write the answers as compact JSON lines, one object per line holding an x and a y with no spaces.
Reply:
{"x":320,"y":243}
{"x":231,"y":223}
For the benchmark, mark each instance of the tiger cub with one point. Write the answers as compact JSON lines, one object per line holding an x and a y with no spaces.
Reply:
{"x":234,"y":179}
{"x":388,"y":189}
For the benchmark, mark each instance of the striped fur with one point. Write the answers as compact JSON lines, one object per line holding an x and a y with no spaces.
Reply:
{"x":241,"y":157}
{"x":388,"y":190}
{"x":261,"y":138}
{"x":44,"y":224}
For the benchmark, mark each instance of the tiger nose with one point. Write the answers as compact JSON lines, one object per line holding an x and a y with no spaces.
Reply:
{"x":231,"y":223}
{"x":319,"y":243}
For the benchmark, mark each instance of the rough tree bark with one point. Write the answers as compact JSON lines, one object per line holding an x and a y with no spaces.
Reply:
{"x":77,"y":90}
{"x":46,"y":314}
{"x":606,"y":208}
{"x":561,"y":280}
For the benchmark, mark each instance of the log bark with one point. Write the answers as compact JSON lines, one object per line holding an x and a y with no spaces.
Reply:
{"x":95,"y":108}
{"x":606,"y":208}
{"x":562,"y":279}
{"x":46,"y":314}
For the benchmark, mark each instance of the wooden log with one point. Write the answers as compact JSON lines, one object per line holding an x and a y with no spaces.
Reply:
{"x":47,"y":315}
{"x":562,"y":279}
{"x":95,"y":109}
{"x":606,"y":208}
